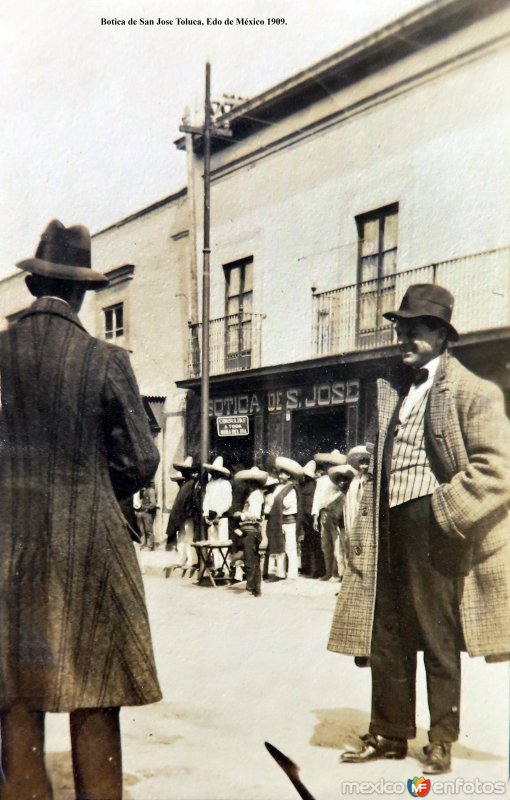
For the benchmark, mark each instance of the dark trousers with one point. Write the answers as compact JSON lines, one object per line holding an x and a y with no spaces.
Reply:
{"x":417,"y":608}
{"x":312,"y":558}
{"x":145,"y":521}
{"x":251,"y":544}
{"x":96,"y":752}
{"x":329,"y":535}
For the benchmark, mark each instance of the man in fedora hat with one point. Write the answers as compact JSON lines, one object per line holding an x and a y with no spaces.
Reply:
{"x":74,"y":633}
{"x":430,"y":551}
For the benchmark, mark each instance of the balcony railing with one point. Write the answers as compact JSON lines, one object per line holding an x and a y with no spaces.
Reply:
{"x":234,"y":344}
{"x":350,"y":318}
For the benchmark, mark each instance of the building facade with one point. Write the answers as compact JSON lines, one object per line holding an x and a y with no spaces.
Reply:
{"x":381,"y":166}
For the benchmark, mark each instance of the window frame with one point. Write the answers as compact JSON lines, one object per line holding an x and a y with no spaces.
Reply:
{"x":382,"y":292}
{"x":116,"y":327}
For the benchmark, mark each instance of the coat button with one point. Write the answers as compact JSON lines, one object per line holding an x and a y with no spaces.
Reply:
{"x":357,"y":550}
{"x":364,"y":511}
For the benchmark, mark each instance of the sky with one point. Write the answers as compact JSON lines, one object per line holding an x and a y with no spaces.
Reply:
{"x":91,"y":111}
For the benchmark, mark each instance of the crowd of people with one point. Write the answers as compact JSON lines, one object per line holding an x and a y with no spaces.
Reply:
{"x":291,"y":520}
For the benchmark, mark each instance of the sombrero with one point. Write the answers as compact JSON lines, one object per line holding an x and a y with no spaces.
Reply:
{"x":217,"y":466}
{"x":309,"y":469}
{"x":253,"y":474}
{"x":335,"y":458}
{"x":344,"y":471}
{"x":357,"y":454}
{"x":289,"y":466}
{"x":187,"y":464}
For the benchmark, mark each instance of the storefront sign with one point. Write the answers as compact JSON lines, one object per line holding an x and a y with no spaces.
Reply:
{"x":317,"y":395}
{"x":233,"y":426}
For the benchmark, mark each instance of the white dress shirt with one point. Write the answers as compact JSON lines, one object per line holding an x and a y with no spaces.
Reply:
{"x":417,"y":391}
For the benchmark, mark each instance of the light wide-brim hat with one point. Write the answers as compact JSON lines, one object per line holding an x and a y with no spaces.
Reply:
{"x":309,"y":469}
{"x":426,"y":300}
{"x":65,"y":253}
{"x":254,"y":474}
{"x":334,"y":459}
{"x":342,"y":471}
{"x":357,"y":454}
{"x":289,"y":466}
{"x":217,"y":466}
{"x":187,"y":464}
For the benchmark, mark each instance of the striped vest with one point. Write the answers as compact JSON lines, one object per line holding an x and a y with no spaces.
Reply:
{"x":411,"y":475}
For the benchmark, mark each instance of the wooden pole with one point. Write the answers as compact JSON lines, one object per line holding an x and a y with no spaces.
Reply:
{"x":206,"y":283}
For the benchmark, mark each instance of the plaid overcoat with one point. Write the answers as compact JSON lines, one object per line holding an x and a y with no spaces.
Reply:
{"x":468,"y":444}
{"x":74,"y":631}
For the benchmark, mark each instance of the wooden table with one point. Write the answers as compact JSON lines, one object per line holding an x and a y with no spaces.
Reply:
{"x":205,"y":551}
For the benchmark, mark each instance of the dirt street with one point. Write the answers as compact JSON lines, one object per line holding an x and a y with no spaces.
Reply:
{"x":237,"y":670}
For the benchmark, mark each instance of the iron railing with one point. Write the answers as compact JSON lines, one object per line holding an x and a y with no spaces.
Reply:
{"x":234,"y":344}
{"x":350,"y":318}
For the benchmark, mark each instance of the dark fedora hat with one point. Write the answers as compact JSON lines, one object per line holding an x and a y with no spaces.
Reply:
{"x":65,"y":253}
{"x":426,"y":300}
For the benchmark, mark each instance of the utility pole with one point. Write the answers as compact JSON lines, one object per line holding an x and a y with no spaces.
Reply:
{"x":206,"y":132}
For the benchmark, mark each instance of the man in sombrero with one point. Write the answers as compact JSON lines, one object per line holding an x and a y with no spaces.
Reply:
{"x":75,"y":440}
{"x":183,"y":526}
{"x":249,"y":521}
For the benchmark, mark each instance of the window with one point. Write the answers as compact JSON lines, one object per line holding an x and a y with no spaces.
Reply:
{"x":238,"y":313}
{"x":114,"y":322}
{"x":378,"y":236}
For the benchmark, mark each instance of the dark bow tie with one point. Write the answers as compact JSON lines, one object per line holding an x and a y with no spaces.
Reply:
{"x":420,"y":376}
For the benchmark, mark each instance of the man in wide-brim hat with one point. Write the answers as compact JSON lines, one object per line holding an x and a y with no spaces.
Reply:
{"x":249,"y":523}
{"x":282,"y":518}
{"x":312,"y":560}
{"x":431,"y":570}
{"x":183,"y":527}
{"x":325,"y":494}
{"x":216,"y":504}
{"x":75,"y":440}
{"x":359,"y":458}
{"x":332,"y":528}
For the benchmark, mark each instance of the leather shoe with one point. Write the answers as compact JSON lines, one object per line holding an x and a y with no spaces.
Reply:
{"x":375,"y":746}
{"x":438,"y":758}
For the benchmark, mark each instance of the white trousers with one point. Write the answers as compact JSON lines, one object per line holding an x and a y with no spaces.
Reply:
{"x":186,"y":555}
{"x":218,"y":532}
{"x":289,"y":531}
{"x":278,"y":559}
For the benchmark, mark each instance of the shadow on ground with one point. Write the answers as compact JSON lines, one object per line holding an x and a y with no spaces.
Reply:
{"x":341,"y":728}
{"x":61,"y":774}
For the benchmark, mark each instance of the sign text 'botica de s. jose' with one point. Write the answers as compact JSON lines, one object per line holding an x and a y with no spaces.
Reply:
{"x":293,"y":398}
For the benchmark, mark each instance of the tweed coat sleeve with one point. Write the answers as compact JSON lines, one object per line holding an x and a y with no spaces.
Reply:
{"x":476,"y":438}
{"x":132,"y":454}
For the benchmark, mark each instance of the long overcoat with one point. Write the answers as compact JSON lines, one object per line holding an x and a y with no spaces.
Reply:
{"x":74,"y":631}
{"x":468,"y":444}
